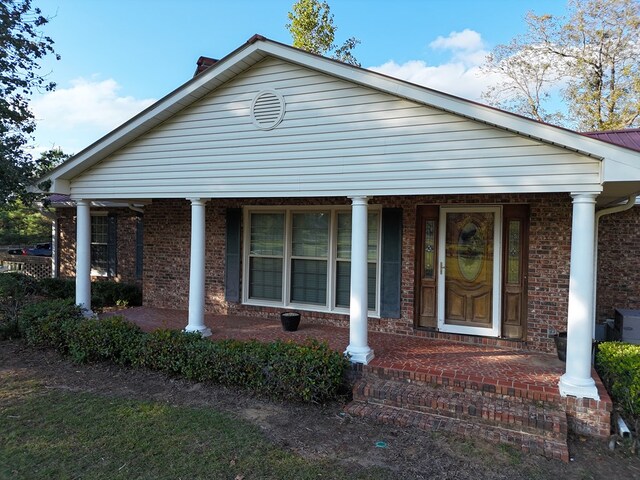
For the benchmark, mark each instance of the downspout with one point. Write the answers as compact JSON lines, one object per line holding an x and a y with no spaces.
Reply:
{"x":631,"y":201}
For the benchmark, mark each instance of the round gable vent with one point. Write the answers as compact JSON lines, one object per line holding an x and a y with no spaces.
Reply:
{"x":267,"y":109}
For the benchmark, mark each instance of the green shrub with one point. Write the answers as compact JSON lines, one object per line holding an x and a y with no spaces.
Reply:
{"x":619,"y":366}
{"x":16,"y":291}
{"x":107,"y":339}
{"x":109,"y":294}
{"x":309,"y":372}
{"x":169,"y":351}
{"x":58,"y":287}
{"x":49,"y":323}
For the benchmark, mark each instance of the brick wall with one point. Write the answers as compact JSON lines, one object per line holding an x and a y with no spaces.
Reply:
{"x":618,"y":263}
{"x":167,"y":244}
{"x":126,"y":242}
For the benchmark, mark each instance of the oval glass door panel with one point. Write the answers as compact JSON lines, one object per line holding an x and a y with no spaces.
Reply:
{"x":469,"y":269}
{"x":471,"y":250}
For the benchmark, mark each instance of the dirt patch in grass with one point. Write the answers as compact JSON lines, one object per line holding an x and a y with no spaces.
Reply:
{"x":321,"y":432}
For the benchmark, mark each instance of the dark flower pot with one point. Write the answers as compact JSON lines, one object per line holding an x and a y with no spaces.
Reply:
{"x":561,"y":345}
{"x":290,"y":321}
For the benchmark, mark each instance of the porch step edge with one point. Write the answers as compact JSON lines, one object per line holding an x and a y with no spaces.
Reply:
{"x":553,"y":448}
{"x":465,"y":384}
{"x":549,"y":420}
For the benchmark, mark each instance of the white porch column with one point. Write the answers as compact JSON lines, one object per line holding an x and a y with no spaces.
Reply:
{"x":358,"y":348}
{"x":577,"y":379}
{"x":197,"y":270}
{"x":83,"y":255}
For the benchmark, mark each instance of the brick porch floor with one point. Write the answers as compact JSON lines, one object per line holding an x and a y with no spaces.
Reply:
{"x":517,"y":372}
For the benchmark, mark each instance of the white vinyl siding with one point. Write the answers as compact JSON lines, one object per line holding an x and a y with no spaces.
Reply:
{"x":337,"y":138}
{"x":301,"y":258}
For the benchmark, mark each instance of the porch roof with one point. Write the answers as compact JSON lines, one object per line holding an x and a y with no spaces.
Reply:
{"x":620,"y":165}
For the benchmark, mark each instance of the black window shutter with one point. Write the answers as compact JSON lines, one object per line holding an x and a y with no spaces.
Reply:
{"x":391,"y":263}
{"x":139,"y":244}
{"x":232,"y":264}
{"x":112,"y":245}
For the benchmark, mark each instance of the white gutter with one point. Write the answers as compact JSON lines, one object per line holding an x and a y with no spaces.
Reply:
{"x":631,"y":201}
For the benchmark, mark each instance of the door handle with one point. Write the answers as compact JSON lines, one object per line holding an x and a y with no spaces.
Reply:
{"x":441,"y":268}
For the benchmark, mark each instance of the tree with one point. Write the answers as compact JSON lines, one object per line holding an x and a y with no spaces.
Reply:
{"x":21,"y":46}
{"x":312,"y":30}
{"x":591,"y":56}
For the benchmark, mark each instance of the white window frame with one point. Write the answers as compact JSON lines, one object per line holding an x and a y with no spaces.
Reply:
{"x":95,"y":272}
{"x":288,"y":211}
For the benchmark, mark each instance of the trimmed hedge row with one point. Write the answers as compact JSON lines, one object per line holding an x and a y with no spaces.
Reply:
{"x":619,"y":366}
{"x":309,"y":372}
{"x":18,"y":290}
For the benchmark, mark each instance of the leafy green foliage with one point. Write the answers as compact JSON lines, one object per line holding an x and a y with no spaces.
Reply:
{"x":108,"y":339}
{"x":58,"y":287}
{"x":312,"y":30}
{"x":22,"y":44}
{"x":105,"y":294}
{"x":16,"y":291}
{"x":619,"y":366}
{"x":50,"y":323}
{"x":23,"y":225}
{"x":309,"y":372}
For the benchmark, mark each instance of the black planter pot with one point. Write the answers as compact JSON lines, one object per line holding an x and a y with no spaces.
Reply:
{"x":290,"y":321}
{"x":561,"y":345}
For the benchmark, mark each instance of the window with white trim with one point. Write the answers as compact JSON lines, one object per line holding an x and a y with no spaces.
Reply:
{"x":99,"y":244}
{"x":301,"y":257}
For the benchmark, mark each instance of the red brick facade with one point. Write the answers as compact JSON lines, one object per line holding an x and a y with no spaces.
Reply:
{"x":618,"y":263}
{"x":126,"y":242}
{"x":167,"y":243}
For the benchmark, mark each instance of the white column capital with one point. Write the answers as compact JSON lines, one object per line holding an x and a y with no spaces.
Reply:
{"x":81,"y":202}
{"x":197,"y":201}
{"x":359,"y":200}
{"x":585,"y":197}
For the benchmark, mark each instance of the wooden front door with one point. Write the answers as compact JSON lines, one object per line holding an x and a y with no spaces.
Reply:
{"x":469,"y":270}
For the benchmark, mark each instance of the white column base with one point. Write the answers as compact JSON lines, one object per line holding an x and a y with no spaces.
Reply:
{"x":578,"y":387}
{"x":359,"y":354}
{"x":204,"y":330}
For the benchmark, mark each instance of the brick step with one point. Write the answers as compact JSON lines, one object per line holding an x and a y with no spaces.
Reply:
{"x":466,"y":383}
{"x":537,"y":418}
{"x":526,"y":442}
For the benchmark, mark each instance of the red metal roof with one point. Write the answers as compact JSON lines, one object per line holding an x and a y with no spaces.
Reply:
{"x":629,"y":138}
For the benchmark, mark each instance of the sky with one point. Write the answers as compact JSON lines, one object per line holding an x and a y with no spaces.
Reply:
{"x":119,"y":56}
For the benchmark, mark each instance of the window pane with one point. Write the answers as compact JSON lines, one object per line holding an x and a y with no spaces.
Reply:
{"x":310,"y":234}
{"x":309,"y":281}
{"x":344,"y":236}
{"x":513,"y":265}
{"x":267,"y":233}
{"x":99,"y":258}
{"x":99,"y":229}
{"x":429,"y":248}
{"x":265,"y":276}
{"x":343,"y":285}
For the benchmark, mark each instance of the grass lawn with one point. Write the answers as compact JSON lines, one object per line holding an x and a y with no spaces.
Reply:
{"x":49,"y":434}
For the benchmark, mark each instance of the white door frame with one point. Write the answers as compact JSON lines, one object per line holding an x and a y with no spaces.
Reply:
{"x":496,"y":306}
